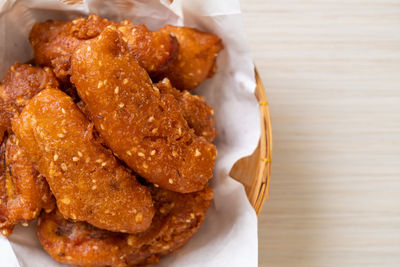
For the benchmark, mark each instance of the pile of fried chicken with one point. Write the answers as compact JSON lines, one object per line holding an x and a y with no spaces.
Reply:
{"x":102,"y":142}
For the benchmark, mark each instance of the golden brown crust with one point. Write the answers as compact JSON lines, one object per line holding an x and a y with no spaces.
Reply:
{"x":199,"y":115}
{"x":86,"y":180}
{"x":177,"y":219}
{"x":20,"y":84}
{"x":26,"y":192}
{"x":196,"y":59}
{"x":54,"y":42}
{"x":144,"y":128}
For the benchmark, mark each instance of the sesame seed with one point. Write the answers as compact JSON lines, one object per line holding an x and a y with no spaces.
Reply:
{"x":94,"y":181}
{"x":104,"y":164}
{"x":145,"y":165}
{"x":94,"y":187}
{"x":192,"y":215}
{"x":116,"y":90}
{"x":151,"y":119}
{"x":80,"y":154}
{"x":87,"y":160}
{"x":4,"y":232}
{"x":75,"y":158}
{"x":73,"y":216}
{"x":64,"y":166}
{"x":95,"y":247}
{"x":124,"y":38}
{"x":156,"y":89}
{"x":170,"y":181}
{"x":153,"y":152}
{"x":60,"y":135}
{"x":179,"y":131}
{"x":174,"y":153}
{"x":125,"y":81}
{"x":121,"y":105}
{"x":64,"y":130}
{"x":102,"y":126}
{"x":66,"y":201}
{"x":139,"y":217}
{"x":99,"y":161}
{"x":140,"y":154}
{"x":197,"y":153}
{"x":156,"y":185}
{"x":25,"y":224}
{"x":129,"y":153}
{"x":88,"y":48}
{"x":63,"y":111}
{"x":154,"y":131}
{"x":55,"y":157}
{"x":105,"y":82}
{"x":100,"y":84}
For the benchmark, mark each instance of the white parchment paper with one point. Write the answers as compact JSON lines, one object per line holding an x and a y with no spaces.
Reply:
{"x":228,"y":236}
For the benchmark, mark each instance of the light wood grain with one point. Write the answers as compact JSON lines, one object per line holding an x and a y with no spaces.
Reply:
{"x":332,"y":73}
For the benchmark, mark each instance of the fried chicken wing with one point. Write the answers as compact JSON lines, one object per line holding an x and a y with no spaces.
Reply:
{"x":86,"y":180}
{"x":54,"y":42}
{"x":145,"y":128}
{"x":199,"y":115}
{"x":26,"y":191}
{"x":196,"y":59}
{"x":20,"y":84}
{"x":177,"y":218}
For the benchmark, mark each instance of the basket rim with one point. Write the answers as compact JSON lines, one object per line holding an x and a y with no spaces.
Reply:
{"x":254,"y":171}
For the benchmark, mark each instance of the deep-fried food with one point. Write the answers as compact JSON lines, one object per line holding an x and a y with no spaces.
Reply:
{"x":25,"y":192}
{"x":185,"y":55}
{"x":199,"y":115}
{"x":19,"y":85}
{"x":54,"y":42}
{"x":145,"y":128}
{"x":178,"y":217}
{"x":196,"y":59}
{"x":86,"y":180}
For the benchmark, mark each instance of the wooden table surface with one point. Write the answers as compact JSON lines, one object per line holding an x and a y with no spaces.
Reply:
{"x":332,"y":73}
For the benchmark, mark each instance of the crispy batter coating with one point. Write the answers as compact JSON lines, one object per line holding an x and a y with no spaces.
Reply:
{"x":26,"y":192}
{"x":177,"y":218}
{"x":54,"y":42}
{"x":86,"y":180}
{"x":196,"y":59}
{"x":20,"y":84}
{"x":145,"y":128}
{"x":199,"y":115}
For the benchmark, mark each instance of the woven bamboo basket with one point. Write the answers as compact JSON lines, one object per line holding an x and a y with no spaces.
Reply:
{"x":254,"y":171}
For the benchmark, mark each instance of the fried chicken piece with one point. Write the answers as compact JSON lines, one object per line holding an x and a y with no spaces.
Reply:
{"x":196,"y":59}
{"x":199,"y":115}
{"x":54,"y":42}
{"x":26,"y":191}
{"x":177,"y":219}
{"x":86,"y":180}
{"x":20,"y":84}
{"x":145,"y":128}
